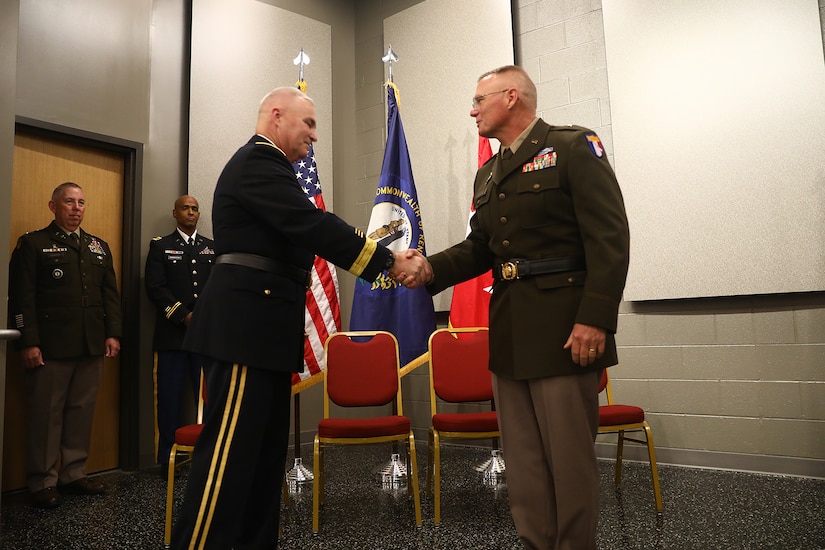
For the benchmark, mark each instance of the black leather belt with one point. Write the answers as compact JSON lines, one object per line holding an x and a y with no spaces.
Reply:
{"x":518,"y":268}
{"x":254,"y":261}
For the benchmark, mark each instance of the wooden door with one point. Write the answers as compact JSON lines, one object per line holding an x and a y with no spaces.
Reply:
{"x":41,"y":164}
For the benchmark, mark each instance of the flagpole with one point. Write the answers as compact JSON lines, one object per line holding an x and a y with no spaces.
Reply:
{"x":392,"y":474}
{"x":299,"y":474}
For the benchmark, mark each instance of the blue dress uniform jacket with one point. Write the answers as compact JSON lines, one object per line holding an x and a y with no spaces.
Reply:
{"x":175,"y":276}
{"x":254,"y":317}
{"x":556,"y":197}
{"x":63,"y":295}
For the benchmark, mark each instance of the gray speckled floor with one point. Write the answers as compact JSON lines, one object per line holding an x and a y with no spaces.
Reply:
{"x":704,"y":509}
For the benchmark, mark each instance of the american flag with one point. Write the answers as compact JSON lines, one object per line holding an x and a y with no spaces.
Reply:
{"x":323,"y":312}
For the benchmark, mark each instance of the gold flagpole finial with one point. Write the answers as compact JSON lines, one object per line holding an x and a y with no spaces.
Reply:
{"x":301,"y":61}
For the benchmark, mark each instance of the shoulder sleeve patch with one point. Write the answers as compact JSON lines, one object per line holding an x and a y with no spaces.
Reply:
{"x":595,"y":144}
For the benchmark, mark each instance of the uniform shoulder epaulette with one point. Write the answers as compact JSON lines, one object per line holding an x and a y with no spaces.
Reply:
{"x":566,"y":128}
{"x":157,"y":238}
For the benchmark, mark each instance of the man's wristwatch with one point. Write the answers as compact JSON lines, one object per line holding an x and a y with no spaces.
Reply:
{"x":390,"y":261}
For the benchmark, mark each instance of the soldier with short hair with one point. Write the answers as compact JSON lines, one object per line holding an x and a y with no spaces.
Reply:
{"x":63,"y":299}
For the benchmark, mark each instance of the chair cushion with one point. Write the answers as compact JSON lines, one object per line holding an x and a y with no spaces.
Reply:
{"x":466,"y":422}
{"x":188,"y":435}
{"x":363,"y":427}
{"x":614,"y":415}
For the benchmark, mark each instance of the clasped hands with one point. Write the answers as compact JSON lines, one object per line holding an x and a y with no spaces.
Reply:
{"x":411,"y":269}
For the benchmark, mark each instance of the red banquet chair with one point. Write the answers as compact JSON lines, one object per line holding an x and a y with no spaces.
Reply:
{"x":458,"y":374}
{"x":185,"y":438}
{"x":361,"y":369}
{"x":616,"y":418}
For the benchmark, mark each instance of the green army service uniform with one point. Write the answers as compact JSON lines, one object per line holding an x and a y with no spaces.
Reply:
{"x":550,"y":222}
{"x":63,"y":298}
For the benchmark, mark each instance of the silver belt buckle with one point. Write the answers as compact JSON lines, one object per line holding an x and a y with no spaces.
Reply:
{"x":509,"y":271}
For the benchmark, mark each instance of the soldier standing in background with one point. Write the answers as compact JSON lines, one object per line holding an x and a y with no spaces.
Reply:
{"x":63,"y":299}
{"x":177,"y":267}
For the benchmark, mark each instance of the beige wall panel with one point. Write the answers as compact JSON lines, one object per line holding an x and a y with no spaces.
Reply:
{"x":809,"y":326}
{"x":631,"y":330}
{"x":781,"y":400}
{"x":669,"y":329}
{"x":710,"y":90}
{"x":85,"y":64}
{"x":734,"y":328}
{"x":715,"y":362}
{"x":231,"y":73}
{"x":812,"y":397}
{"x":805,"y":362}
{"x":793,"y":437}
{"x":708,"y":433}
{"x":685,"y":397}
{"x":649,"y":362}
{"x":773,"y":327}
{"x":760,"y":399}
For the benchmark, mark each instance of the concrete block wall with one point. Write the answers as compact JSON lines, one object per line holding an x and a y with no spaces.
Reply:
{"x":726,"y":382}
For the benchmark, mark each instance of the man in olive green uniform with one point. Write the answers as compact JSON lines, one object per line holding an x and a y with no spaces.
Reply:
{"x":550,"y":222}
{"x":63,"y":299}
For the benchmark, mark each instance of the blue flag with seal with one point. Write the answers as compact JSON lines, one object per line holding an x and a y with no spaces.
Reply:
{"x":395,"y":222}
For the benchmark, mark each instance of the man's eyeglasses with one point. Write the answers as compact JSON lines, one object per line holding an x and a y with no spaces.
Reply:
{"x":477,"y":99}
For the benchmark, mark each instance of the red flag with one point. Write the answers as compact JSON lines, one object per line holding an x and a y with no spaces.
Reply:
{"x":471,"y":299}
{"x":323,"y":313}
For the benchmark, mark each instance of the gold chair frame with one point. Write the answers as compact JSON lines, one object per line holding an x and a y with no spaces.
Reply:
{"x":621,"y":430}
{"x":435,"y":436}
{"x":319,"y":442}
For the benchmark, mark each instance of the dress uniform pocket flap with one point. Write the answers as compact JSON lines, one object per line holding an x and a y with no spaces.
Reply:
{"x":482,"y":196}
{"x":538,"y":181}
{"x":557,"y":280}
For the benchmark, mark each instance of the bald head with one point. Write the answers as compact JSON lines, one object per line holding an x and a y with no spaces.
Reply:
{"x":187,"y":213}
{"x":287,"y":117}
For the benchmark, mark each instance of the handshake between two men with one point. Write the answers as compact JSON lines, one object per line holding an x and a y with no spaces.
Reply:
{"x":411,"y":269}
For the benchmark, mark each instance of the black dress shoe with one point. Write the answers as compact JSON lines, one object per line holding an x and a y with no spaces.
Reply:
{"x":46,"y":498}
{"x":84,"y":486}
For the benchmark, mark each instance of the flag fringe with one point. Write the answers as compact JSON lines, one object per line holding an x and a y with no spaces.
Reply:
{"x":389,"y":84}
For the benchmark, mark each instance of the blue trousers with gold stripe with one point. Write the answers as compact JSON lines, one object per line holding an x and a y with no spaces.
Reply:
{"x":233,"y":495}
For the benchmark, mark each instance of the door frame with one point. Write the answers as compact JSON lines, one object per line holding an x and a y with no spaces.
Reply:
{"x":132,"y":153}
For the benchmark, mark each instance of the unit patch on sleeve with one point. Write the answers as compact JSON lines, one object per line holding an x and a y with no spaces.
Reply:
{"x":595,"y":145}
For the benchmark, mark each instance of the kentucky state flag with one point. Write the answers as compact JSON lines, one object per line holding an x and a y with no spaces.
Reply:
{"x":395,"y":222}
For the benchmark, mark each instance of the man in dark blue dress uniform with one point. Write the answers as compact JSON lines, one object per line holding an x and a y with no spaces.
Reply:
{"x":177,"y":267}
{"x":249,"y":325}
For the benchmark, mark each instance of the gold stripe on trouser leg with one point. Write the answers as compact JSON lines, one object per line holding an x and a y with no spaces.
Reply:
{"x":155,"y":401}
{"x":230,"y":419}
